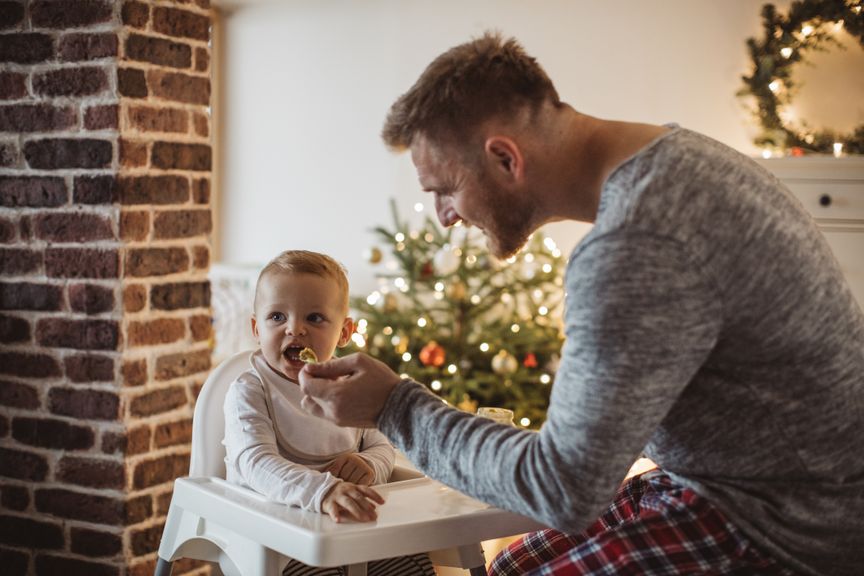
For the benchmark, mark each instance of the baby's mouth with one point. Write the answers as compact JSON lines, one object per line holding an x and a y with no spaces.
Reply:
{"x":292,"y":353}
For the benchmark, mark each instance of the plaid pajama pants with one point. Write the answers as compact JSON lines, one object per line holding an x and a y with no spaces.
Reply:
{"x":416,"y":565}
{"x":654,"y":527}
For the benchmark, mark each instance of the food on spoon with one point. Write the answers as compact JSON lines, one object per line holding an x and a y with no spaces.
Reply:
{"x":308,"y":356}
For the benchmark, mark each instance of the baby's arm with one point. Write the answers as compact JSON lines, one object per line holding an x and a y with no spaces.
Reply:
{"x":379,"y":453}
{"x":252,"y":453}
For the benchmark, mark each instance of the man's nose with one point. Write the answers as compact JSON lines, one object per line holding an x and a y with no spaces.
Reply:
{"x":444,"y":210}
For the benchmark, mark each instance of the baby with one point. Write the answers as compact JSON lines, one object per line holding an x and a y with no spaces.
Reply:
{"x":272,"y":445}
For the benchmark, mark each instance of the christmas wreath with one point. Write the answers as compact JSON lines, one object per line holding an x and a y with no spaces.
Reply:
{"x":809,"y":26}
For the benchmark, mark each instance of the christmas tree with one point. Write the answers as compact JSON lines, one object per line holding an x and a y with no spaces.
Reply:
{"x":477,"y":331}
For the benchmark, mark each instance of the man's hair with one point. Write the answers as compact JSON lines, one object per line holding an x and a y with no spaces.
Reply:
{"x":306,"y":262}
{"x":465,"y":86}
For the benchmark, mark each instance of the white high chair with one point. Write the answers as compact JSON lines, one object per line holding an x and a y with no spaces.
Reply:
{"x":248,"y":535}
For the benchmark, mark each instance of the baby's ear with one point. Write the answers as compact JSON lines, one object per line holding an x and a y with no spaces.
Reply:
{"x":347,"y":332}
{"x":254,"y":326}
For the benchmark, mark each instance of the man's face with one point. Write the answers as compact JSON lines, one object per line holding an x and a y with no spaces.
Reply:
{"x":295,"y":311}
{"x":467,"y":192}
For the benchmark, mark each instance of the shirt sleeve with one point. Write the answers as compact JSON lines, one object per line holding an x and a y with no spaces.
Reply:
{"x":253,"y":455}
{"x":641,"y":318}
{"x":379,"y":453}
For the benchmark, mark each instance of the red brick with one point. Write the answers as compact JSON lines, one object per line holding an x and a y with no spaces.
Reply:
{"x":163,"y":503}
{"x":29,"y":533}
{"x":143,"y":262}
{"x":36,"y":117}
{"x":22,"y":465}
{"x":81,"y":263}
{"x":26,"y":48}
{"x":69,"y":13}
{"x":202,"y":124}
{"x":133,"y":154}
{"x":154,"y":332}
{"x":94,"y":543}
{"x":8,"y":231}
{"x":134,"y":297}
{"x":92,"y":472}
{"x":78,"y":334}
{"x":54,"y":153}
{"x":173,"y":433}
{"x":91,"y":299}
{"x":162,"y":119}
{"x":27,"y":296}
{"x":84,"y":81}
{"x":32,"y":191}
{"x":160,"y":470}
{"x":14,"y":498}
{"x":18,"y":395}
{"x":92,"y":507}
{"x":13,"y":85}
{"x":132,"y":82}
{"x":201,"y":328}
{"x":181,"y":23}
{"x":89,"y":368}
{"x":14,"y":329}
{"x":179,"y":156}
{"x":181,"y":224}
{"x":50,"y":565}
{"x":84,"y":404}
{"x":11,"y":14}
{"x":134,"y":372}
{"x":201,"y":191}
{"x":202,"y":59}
{"x":200,"y":257}
{"x":146,"y":540}
{"x":79,"y":46}
{"x":28,"y":365}
{"x":10,"y":156}
{"x":153,"y":190}
{"x":80,"y":227}
{"x":17,"y":261}
{"x":158,"y":401}
{"x":179,"y":87}
{"x":46,"y":433}
{"x":4,"y":426}
{"x":134,"y":225}
{"x":135,"y":14}
{"x":180,"y":295}
{"x":101,"y":117}
{"x":182,"y":364}
{"x":95,"y":190}
{"x":158,"y":51}
{"x":15,"y":562}
{"x":130,"y":442}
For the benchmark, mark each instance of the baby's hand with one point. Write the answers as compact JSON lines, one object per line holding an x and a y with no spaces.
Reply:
{"x":347,"y":500}
{"x":352,"y":468}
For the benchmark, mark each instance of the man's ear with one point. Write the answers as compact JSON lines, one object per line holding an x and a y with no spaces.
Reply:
{"x":347,"y":332}
{"x":505,"y":157}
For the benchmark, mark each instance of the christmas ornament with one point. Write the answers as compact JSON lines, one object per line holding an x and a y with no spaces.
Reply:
{"x":427,"y":271}
{"x":530,"y":360}
{"x":432,"y":354}
{"x":467,"y":404}
{"x":373,"y":255}
{"x":457,"y":291}
{"x":504,"y":363}
{"x":446,"y":261}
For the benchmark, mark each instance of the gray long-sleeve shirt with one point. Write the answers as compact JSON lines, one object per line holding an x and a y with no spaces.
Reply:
{"x":707,"y":324}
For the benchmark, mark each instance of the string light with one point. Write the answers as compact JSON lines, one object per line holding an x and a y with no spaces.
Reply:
{"x":838,"y":149}
{"x":429,"y":237}
{"x":358,"y":340}
{"x":547,"y":268}
{"x":543,"y":310}
{"x":786,"y":52}
{"x":421,"y":322}
{"x":439,"y":286}
{"x":484,"y":347}
{"x":436,"y":385}
{"x":525,"y":422}
{"x":373,"y":298}
{"x":418,"y":207}
{"x":388,"y":330}
{"x":545,"y":379}
{"x":452,"y":368}
{"x":399,"y":237}
{"x":406,"y":357}
{"x":362,"y":325}
{"x":806,"y":30}
{"x":774,"y":86}
{"x":514,"y":328}
{"x":475,"y":299}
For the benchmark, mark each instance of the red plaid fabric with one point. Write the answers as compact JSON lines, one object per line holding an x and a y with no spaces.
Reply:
{"x":654,"y":527}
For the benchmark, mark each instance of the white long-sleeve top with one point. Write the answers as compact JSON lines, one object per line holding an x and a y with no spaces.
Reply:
{"x":279,"y":450}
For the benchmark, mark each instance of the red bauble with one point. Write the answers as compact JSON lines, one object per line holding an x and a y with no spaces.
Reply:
{"x":530,"y":360}
{"x":432,"y":354}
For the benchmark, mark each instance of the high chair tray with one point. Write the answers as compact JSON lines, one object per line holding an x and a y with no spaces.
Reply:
{"x":419,"y":515}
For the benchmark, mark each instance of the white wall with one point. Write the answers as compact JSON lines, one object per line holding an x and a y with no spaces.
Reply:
{"x":308,"y":83}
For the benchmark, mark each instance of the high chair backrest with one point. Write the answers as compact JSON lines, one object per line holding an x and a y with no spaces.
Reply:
{"x":208,"y":422}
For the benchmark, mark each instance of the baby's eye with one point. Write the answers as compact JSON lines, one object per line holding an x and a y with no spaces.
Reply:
{"x":316,"y":318}
{"x":277,"y":317}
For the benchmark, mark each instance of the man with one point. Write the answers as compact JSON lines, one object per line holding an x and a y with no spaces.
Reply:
{"x":707,"y":324}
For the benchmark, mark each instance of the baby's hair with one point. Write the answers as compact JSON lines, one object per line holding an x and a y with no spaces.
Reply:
{"x":306,"y":262}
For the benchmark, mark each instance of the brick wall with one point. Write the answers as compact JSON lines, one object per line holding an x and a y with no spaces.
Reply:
{"x":105,"y":228}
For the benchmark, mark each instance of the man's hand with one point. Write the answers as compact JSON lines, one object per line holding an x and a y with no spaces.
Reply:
{"x":352,"y":468}
{"x":347,"y":501}
{"x":349,"y":391}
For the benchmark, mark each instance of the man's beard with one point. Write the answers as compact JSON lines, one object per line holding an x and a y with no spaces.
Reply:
{"x":509,"y":225}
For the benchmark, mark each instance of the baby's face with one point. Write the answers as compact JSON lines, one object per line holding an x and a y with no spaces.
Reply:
{"x":295,"y":311}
